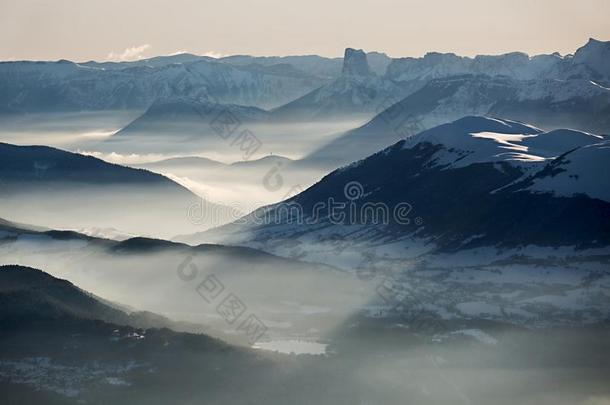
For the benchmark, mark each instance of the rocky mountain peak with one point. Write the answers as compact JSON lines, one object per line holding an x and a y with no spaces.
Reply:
{"x":355,"y":63}
{"x":595,"y":54}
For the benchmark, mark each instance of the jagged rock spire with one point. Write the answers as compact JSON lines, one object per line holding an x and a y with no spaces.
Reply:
{"x":355,"y":63}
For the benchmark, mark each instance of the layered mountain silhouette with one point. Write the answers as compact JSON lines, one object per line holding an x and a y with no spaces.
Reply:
{"x":169,"y":278}
{"x":68,"y":190}
{"x":30,"y":295}
{"x":183,"y":120}
{"x":94,"y":351}
{"x":237,"y":258}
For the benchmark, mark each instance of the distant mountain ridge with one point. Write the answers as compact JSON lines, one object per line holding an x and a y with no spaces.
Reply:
{"x":68,"y":86}
{"x":21,"y":166}
{"x":265,"y":82}
{"x":589,"y":61}
{"x":549,"y":104}
{"x":359,"y":91}
{"x":59,"y":188}
{"x":190,"y":119}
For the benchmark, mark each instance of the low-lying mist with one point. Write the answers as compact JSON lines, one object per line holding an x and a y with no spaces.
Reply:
{"x":245,"y":186}
{"x":71,"y":131}
{"x":290,"y":297}
{"x":160,"y":212}
{"x":241,"y":141}
{"x":366,"y":360}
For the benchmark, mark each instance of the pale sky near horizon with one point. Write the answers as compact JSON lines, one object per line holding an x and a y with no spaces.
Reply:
{"x":131,"y":29}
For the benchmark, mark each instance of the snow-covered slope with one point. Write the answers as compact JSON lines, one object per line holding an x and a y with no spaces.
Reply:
{"x":559,"y":141}
{"x":583,"y":170}
{"x":595,"y":55}
{"x":502,"y":140}
{"x":464,"y":144}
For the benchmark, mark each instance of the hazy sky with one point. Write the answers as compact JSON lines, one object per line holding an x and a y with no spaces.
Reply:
{"x":131,"y":29}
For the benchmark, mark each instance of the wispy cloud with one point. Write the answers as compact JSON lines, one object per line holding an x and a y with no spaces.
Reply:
{"x":130,"y":54}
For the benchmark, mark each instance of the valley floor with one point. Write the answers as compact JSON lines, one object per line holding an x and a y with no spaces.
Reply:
{"x":368,"y":362}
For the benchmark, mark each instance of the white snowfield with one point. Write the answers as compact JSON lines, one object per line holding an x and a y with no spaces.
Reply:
{"x":465,"y":146}
{"x":467,"y":142}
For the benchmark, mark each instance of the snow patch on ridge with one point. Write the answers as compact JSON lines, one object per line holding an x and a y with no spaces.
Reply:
{"x":582,"y":171}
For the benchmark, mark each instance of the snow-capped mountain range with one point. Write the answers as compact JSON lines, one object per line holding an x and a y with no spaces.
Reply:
{"x":269,"y":82}
{"x":68,"y":86}
{"x":549,"y":91}
{"x":360,"y":90}
{"x":590,"y":62}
